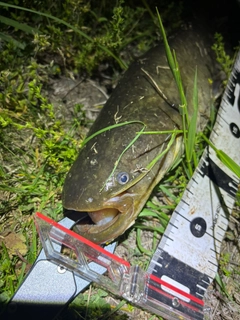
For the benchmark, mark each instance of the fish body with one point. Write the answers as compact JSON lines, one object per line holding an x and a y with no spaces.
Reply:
{"x":114,"y":189}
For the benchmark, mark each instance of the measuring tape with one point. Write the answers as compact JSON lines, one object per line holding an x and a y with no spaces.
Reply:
{"x":188,"y":253}
{"x":186,"y":260}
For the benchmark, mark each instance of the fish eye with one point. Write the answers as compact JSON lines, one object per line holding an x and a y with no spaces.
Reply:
{"x":122,"y":177}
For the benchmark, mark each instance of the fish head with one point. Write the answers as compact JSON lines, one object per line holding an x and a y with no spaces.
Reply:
{"x":107,"y":195}
{"x":111,"y":183}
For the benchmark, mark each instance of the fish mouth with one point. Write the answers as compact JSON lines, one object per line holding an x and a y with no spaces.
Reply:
{"x":106,"y":223}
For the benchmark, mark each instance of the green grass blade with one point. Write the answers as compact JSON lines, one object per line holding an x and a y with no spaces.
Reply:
{"x":172,"y":60}
{"x":224,"y":158}
{"x":10,"y":39}
{"x":183,"y":108}
{"x":139,"y":243}
{"x":148,"y":9}
{"x":193,"y":122}
{"x":162,"y":132}
{"x":167,"y":48}
{"x":85,"y":141}
{"x":178,"y":79}
{"x":153,"y":162}
{"x":146,"y":213}
{"x":115,"y":309}
{"x":159,"y":230}
{"x":17,"y":25}
{"x":230,"y":163}
{"x":119,"y":158}
{"x":21,"y":275}
{"x":167,"y":191}
{"x":221,"y":284}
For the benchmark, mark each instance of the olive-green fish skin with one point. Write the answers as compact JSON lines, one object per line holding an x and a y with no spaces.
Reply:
{"x":88,"y":186}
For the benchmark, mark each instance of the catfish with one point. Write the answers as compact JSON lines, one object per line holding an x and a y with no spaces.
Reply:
{"x":112,"y":177}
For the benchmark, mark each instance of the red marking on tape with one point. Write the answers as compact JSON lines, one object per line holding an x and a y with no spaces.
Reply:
{"x":177,"y":290}
{"x":82,"y":239}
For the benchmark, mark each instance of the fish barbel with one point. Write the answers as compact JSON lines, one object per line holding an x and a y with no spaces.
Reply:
{"x":113,"y":201}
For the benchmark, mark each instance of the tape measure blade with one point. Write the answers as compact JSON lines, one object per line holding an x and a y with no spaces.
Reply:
{"x":189,"y":249}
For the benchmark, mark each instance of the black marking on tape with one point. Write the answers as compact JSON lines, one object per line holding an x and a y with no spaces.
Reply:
{"x":195,"y":281}
{"x":215,"y":131}
{"x":181,"y":215}
{"x":184,"y":202}
{"x":173,"y":225}
{"x":189,"y":191}
{"x":214,"y":250}
{"x":220,"y":119}
{"x":231,"y":88}
{"x":238,"y":103}
{"x":218,"y":176}
{"x":215,"y":264}
{"x":198,"y":227}
{"x":224,"y":219}
{"x":223,"y":229}
{"x":193,"y":179}
{"x":234,"y":130}
{"x":164,"y":235}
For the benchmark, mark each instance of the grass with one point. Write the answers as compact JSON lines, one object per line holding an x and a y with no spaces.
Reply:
{"x":26,"y":28}
{"x":37,"y":148}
